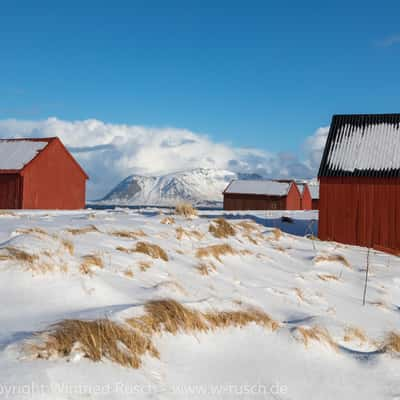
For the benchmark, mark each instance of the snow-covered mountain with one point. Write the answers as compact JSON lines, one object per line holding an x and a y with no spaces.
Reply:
{"x":198,"y":186}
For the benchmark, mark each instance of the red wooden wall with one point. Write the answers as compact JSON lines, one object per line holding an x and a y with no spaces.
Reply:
{"x":306,"y":201}
{"x":234,"y":201}
{"x":293,"y":199}
{"x":10,"y":191}
{"x":315,"y":204}
{"x":361,"y":211}
{"x":53,"y":180}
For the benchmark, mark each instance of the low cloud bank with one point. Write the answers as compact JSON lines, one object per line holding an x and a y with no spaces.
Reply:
{"x":110,"y":152}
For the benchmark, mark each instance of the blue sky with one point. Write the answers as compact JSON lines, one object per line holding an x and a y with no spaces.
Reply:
{"x":260,"y":74}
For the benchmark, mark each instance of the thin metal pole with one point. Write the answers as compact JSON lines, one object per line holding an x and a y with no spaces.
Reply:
{"x":366,"y":278}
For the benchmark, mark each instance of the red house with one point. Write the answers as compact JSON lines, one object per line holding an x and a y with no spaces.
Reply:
{"x":306,"y":200}
{"x":314,"y":192}
{"x":40,"y":174}
{"x":359,"y":196}
{"x":261,"y":195}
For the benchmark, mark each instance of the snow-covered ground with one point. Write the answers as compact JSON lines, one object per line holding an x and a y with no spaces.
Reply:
{"x":299,"y":282}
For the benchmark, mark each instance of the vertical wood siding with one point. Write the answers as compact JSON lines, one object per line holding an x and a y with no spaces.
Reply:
{"x":10,"y":191}
{"x":53,"y":181}
{"x":360,"y":211}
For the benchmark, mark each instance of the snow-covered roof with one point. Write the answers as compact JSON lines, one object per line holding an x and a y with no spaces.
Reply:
{"x":301,"y":187}
{"x":362,"y":145}
{"x":15,"y":154}
{"x":314,"y":191}
{"x":263,"y":187}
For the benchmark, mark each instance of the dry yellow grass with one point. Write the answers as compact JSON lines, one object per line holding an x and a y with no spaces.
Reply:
{"x":224,"y":319}
{"x":13,"y":253}
{"x":96,"y":340}
{"x":123,"y":249}
{"x":216,"y":251}
{"x":168,"y":220}
{"x":392,"y":343}
{"x":206,"y":268}
{"x":33,"y":230}
{"x":185,"y":210}
{"x":68,"y":245}
{"x":170,"y":316}
{"x":327,"y":277}
{"x":250,"y":238}
{"x":81,"y":231}
{"x":144,"y":265}
{"x":153,"y":250}
{"x":126,"y":345}
{"x":90,"y":260}
{"x":248,"y":226}
{"x":128,"y":234}
{"x":354,"y":333}
{"x":128,"y":273}
{"x":317,"y":334}
{"x":299,"y":293}
{"x":276,"y":234}
{"x":181,"y":232}
{"x":332,"y":258}
{"x":221,"y":228}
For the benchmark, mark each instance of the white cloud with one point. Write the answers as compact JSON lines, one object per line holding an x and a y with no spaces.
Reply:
{"x":110,"y":152}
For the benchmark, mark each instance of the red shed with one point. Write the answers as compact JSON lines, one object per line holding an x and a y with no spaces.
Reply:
{"x":360,"y":182}
{"x":261,"y":195}
{"x":40,"y":174}
{"x":306,"y":201}
{"x":314,"y":192}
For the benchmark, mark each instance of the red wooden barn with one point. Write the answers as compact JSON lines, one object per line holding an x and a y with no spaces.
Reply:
{"x":306,"y":200}
{"x":261,"y":195}
{"x":359,"y":196}
{"x":314,"y":192}
{"x":40,"y":174}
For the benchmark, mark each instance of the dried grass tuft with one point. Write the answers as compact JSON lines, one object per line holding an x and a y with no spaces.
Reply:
{"x":68,"y":245}
{"x":168,"y":220}
{"x":316,"y":334}
{"x":144,"y":265}
{"x":248,"y":226}
{"x":327,"y":277}
{"x":206,"y":268}
{"x":128,"y":234}
{"x":128,"y":273}
{"x":96,"y":340}
{"x":352,"y":333}
{"x":181,"y":232}
{"x":89,"y":261}
{"x":83,"y":230}
{"x":13,"y":253}
{"x":216,"y":251}
{"x":276,"y":234}
{"x":33,"y":230}
{"x":221,"y":228}
{"x":185,"y":210}
{"x":153,"y":250}
{"x":170,"y":316}
{"x":392,"y":343}
{"x":332,"y":258}
{"x":224,"y":319}
{"x":126,"y":345}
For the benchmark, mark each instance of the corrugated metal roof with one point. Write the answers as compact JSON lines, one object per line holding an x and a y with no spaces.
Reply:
{"x":15,"y":154}
{"x":362,"y":145}
{"x":263,"y":187}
